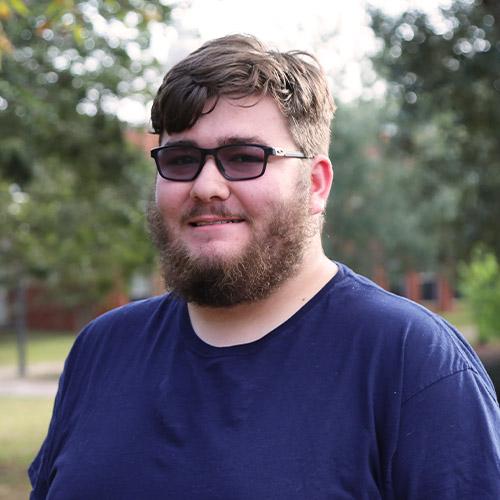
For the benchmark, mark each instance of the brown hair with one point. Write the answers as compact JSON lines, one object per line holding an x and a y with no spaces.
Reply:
{"x":238,"y":66}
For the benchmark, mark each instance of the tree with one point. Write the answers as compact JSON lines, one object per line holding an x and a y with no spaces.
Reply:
{"x":73,"y":191}
{"x":480,"y":285}
{"x":375,"y":221}
{"x":445,"y":73}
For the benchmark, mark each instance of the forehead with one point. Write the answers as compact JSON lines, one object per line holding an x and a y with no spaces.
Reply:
{"x":250,"y":119}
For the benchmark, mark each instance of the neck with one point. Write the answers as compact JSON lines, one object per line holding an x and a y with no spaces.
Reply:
{"x":248,"y":322}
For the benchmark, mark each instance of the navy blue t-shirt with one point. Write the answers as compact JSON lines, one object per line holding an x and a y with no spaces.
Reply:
{"x":359,"y":395}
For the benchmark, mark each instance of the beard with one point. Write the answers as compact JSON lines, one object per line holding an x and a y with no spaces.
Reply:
{"x":271,"y":257}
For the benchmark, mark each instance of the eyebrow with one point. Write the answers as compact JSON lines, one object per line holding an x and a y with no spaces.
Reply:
{"x":225,"y":141}
{"x":243,"y":140}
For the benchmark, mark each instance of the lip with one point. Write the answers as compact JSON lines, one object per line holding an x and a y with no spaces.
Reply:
{"x":214,"y":222}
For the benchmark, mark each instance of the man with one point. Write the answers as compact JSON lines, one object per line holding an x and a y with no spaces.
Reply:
{"x":269,"y":371}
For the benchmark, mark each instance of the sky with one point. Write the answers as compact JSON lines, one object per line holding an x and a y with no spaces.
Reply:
{"x":336,"y":31}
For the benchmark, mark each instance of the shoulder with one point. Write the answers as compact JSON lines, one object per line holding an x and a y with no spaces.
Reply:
{"x":370,"y":310}
{"x":120,"y":332}
{"x":116,"y":342}
{"x":135,"y":316}
{"x":423,"y":345}
{"x":133,"y":311}
{"x":366,"y":301}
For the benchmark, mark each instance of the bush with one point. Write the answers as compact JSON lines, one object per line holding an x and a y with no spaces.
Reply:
{"x":480,"y":285}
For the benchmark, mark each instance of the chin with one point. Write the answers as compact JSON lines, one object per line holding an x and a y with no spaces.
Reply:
{"x":214,"y":252}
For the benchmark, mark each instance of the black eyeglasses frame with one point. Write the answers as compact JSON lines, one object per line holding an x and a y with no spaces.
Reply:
{"x":268,"y":151}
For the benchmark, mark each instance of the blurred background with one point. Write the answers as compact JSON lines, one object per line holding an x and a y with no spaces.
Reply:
{"x":415,"y":147}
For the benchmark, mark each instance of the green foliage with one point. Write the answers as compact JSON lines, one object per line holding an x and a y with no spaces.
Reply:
{"x":375,"y":218}
{"x":73,"y":191}
{"x":480,"y":285}
{"x":445,"y":74}
{"x":73,"y":17}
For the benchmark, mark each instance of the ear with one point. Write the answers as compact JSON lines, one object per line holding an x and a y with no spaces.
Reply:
{"x":321,"y":183}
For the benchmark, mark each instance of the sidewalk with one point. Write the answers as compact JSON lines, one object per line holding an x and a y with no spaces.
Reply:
{"x":40,"y":381}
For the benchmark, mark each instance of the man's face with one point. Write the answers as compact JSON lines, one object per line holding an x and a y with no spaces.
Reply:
{"x":221,"y":242}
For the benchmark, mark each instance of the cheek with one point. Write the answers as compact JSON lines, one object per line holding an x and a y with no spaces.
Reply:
{"x":169,"y":197}
{"x":257,"y":203}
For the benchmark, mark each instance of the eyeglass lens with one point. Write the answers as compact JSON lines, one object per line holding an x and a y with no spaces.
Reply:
{"x":237,"y":161}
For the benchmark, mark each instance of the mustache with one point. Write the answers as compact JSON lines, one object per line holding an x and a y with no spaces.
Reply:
{"x":217,"y":210}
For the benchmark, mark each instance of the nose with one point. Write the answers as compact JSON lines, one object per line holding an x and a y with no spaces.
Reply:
{"x":210,"y":183}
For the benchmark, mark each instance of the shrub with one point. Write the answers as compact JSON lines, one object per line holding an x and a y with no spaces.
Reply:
{"x":480,"y":285}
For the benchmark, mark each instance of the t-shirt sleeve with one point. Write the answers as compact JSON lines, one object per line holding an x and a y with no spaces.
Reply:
{"x":37,"y":471}
{"x":37,"y":476}
{"x":449,"y":441}
{"x":40,"y":469}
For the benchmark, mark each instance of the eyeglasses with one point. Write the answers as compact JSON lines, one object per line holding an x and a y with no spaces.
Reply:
{"x":236,"y":162}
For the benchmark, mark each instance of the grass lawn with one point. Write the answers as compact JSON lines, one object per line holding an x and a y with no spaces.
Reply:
{"x":41,"y":347}
{"x":23,"y":426}
{"x":24,"y":421}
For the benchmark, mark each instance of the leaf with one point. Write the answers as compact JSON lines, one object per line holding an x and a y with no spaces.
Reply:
{"x":19,"y":7}
{"x":4,"y":10}
{"x":79,"y":34}
{"x":5,"y":45}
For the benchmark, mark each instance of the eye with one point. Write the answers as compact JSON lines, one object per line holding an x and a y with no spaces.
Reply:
{"x":242,"y":155}
{"x":245,"y":158}
{"x":178,"y":158}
